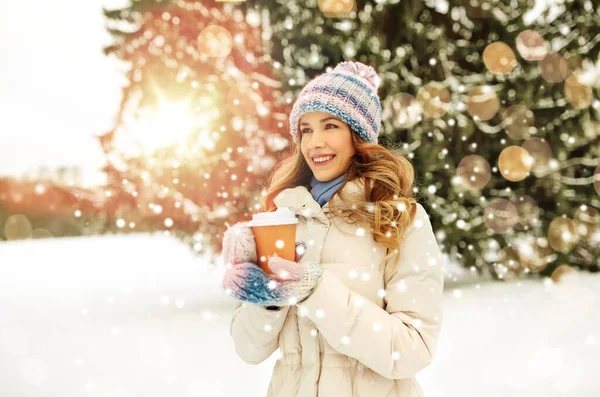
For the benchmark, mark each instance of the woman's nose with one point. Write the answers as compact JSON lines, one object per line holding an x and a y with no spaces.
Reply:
{"x":316,"y":140}
{"x":315,"y":146}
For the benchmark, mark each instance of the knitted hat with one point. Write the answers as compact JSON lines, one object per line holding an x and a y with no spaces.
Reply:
{"x":349,"y":92}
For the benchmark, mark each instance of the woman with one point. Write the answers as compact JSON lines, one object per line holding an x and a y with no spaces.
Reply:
{"x":359,"y":312}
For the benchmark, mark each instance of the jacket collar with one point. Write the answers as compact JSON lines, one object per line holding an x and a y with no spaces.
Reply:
{"x":299,"y":199}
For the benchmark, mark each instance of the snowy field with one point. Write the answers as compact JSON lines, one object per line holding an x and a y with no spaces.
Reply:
{"x":140,"y":315}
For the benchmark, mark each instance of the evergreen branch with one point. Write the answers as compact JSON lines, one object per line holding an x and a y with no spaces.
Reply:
{"x":266,"y":80}
{"x":491,"y":129}
{"x":120,"y":14}
{"x":567,"y":180}
{"x":584,"y":49}
{"x":571,"y":162}
{"x":117,"y":33}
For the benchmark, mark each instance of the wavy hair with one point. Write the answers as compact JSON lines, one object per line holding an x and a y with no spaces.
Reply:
{"x":387,"y":206}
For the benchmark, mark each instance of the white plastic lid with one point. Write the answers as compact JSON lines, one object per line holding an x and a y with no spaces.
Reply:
{"x":283,"y":216}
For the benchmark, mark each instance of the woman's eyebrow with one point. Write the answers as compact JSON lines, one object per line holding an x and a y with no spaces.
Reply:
{"x":325,"y":119}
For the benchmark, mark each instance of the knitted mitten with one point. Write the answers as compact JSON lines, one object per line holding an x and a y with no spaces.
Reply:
{"x":297,"y":280}
{"x":292,"y":283}
{"x":246,"y":281}
{"x":239,"y":245}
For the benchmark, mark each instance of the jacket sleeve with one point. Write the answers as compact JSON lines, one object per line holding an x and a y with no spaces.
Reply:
{"x":400,"y":340}
{"x":255,"y":331}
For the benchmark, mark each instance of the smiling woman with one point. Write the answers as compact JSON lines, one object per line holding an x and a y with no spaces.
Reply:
{"x":326,"y":145}
{"x":335,"y":125}
{"x":354,"y":199}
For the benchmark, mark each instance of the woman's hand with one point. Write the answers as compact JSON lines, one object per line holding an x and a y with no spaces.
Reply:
{"x":246,"y":281}
{"x":239,"y":245}
{"x":297,"y":280}
{"x":292,"y":282}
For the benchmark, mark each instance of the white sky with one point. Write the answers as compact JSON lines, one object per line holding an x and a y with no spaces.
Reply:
{"x":57,"y":89}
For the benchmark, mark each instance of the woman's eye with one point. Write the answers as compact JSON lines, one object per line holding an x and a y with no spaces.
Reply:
{"x":306,"y":130}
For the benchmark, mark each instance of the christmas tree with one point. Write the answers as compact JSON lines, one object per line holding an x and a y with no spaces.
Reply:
{"x":496,"y":111}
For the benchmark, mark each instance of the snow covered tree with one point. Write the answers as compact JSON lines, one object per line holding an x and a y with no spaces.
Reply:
{"x":199,"y":127}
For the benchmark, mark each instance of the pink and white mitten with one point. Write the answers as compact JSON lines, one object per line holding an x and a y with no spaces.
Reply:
{"x":239,"y":245}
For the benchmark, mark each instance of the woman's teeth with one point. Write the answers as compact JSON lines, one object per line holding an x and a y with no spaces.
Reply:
{"x":322,"y":159}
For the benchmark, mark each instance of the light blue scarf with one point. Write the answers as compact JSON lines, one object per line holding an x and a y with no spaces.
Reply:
{"x":322,"y":191}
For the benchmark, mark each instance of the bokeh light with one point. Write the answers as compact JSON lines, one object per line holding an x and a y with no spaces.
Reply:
{"x":514,"y":163}
{"x":403,"y":110}
{"x":17,"y":227}
{"x":563,"y":273}
{"x":531,"y":45}
{"x":337,"y":8}
{"x":578,"y":94}
{"x":482,"y":102}
{"x":587,"y":222}
{"x":540,"y":151}
{"x":474,"y":172}
{"x":507,"y":266}
{"x":499,"y":58}
{"x":434,"y":99}
{"x":528,"y":211}
{"x":574,"y":63}
{"x":553,"y":67}
{"x":214,"y":41}
{"x":535,"y":253}
{"x":500,"y":215}
{"x":562,"y":234}
{"x":519,"y":122}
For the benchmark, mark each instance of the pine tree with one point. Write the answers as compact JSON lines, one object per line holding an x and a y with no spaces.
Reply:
{"x":199,"y":127}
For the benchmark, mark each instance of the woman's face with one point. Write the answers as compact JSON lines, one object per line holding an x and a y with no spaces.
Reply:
{"x":323,"y":134}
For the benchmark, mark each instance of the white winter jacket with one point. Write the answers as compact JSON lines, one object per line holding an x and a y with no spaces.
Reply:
{"x":362,"y":332}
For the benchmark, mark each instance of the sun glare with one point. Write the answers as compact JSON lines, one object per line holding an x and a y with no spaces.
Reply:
{"x":170,"y":126}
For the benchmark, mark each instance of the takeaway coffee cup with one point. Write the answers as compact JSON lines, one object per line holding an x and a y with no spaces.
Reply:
{"x":274,"y":233}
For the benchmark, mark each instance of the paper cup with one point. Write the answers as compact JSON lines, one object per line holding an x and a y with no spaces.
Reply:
{"x":274,"y":233}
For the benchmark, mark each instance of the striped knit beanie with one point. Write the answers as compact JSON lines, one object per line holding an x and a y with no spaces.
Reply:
{"x":349,"y":92}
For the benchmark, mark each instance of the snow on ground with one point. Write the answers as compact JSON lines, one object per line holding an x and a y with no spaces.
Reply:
{"x":141,"y":315}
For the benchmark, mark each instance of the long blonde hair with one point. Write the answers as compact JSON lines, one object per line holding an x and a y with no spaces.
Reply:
{"x":388,"y":205}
